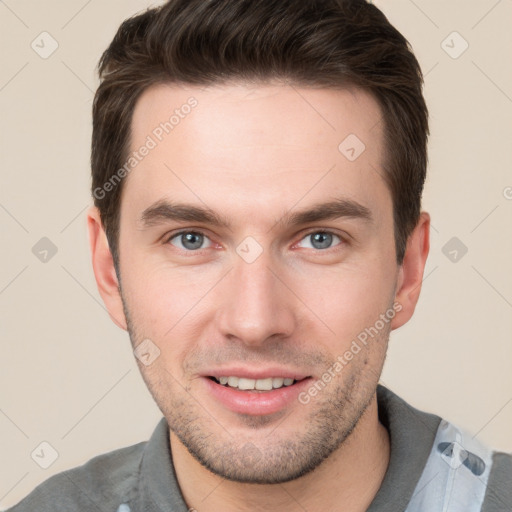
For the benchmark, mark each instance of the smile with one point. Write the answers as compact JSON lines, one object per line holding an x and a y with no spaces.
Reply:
{"x":255,"y":396}
{"x":246,"y":384}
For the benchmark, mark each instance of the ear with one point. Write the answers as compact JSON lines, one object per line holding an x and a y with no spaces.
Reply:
{"x":104,"y":270}
{"x":410,"y":273}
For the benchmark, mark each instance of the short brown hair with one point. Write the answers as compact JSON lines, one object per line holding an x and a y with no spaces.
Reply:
{"x":316,"y":43}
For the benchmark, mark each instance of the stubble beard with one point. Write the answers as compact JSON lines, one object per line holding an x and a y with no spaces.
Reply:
{"x":269,"y":459}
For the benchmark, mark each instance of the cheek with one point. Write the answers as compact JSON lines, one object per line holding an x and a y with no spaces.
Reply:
{"x":167,"y":305}
{"x":347,"y":300}
{"x":161,"y":299}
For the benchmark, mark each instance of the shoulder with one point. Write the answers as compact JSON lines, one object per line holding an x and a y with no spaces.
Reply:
{"x":438,"y":466}
{"x":498,"y":496}
{"x":99,"y":484}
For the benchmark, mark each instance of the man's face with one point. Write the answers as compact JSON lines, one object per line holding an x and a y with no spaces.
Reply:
{"x":266,"y":293}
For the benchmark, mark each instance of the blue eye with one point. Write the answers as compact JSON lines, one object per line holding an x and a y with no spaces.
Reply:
{"x":189,"y":240}
{"x":320,"y":240}
{"x":194,"y":240}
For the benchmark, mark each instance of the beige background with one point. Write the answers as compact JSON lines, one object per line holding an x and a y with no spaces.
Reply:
{"x":67,"y":374}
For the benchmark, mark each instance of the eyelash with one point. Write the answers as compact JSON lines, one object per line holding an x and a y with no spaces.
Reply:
{"x":343,"y":239}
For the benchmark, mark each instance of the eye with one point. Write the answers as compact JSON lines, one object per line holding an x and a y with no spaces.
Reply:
{"x":319,"y":240}
{"x":190,"y":240}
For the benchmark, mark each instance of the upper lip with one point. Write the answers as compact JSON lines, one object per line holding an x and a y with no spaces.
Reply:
{"x":255,"y":373}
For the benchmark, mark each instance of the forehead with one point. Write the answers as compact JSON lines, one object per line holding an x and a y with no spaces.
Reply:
{"x":266,"y":145}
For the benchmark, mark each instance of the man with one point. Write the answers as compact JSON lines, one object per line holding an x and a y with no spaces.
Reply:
{"x":257,"y":175}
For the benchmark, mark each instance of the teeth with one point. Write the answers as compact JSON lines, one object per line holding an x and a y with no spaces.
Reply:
{"x":277,"y":382}
{"x":246,"y":383}
{"x":233,"y":382}
{"x":263,"y":384}
{"x":258,"y":384}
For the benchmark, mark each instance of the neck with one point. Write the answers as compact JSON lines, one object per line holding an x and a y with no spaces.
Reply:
{"x":350,"y":476}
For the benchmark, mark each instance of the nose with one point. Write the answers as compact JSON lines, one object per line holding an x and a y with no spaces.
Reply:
{"x":256,"y":306}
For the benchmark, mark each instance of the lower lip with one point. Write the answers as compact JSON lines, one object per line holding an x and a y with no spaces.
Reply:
{"x":256,"y":403}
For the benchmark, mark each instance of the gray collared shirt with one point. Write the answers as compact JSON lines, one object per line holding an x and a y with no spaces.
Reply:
{"x":433,"y":467}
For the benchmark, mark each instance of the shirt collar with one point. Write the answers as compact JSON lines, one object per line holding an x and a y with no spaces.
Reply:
{"x":411,"y":432}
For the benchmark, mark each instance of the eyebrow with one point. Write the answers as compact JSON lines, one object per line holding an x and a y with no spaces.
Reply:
{"x":163,"y":211}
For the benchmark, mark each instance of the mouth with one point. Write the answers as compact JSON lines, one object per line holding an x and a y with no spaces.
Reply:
{"x":261,"y":385}
{"x":265,"y":395}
